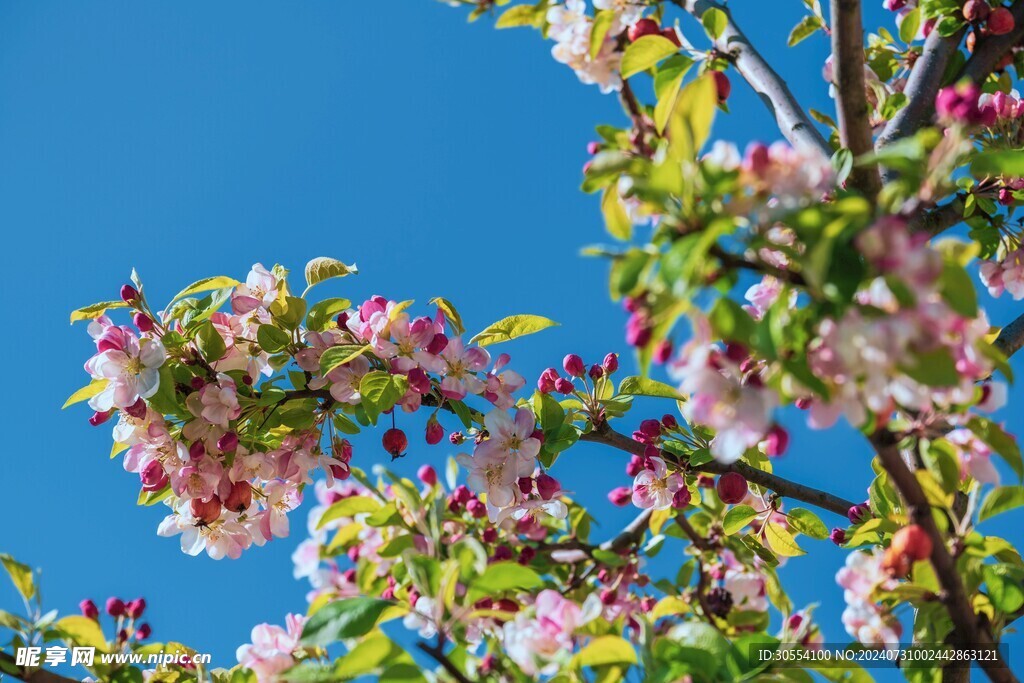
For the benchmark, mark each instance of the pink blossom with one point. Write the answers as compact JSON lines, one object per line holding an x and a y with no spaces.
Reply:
{"x":259,"y":291}
{"x":654,"y":487}
{"x":273,"y":648}
{"x":132,"y":372}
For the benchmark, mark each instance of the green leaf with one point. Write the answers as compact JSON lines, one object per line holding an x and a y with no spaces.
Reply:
{"x":616,"y":219}
{"x":731,"y":323}
{"x":343,"y":619}
{"x":205,"y":285}
{"x":320,"y":314}
{"x":804,"y":29}
{"x":911,"y":23}
{"x":807,"y":523}
{"x":1005,"y":586}
{"x":1000,"y":500}
{"x":82,"y":631}
{"x":323,"y":268}
{"x":738,"y":517}
{"x":999,"y":441}
{"x":21,"y":576}
{"x":666,"y":87}
{"x":715,"y":22}
{"x":933,"y":368}
{"x":450,"y":314}
{"x":635,"y":385}
{"x":336,"y":356}
{"x":645,"y":53}
{"x":520,"y":15}
{"x":210,"y":343}
{"x":504,"y":576}
{"x":95,"y":310}
{"x":781,"y":541}
{"x":998,"y":163}
{"x":691,"y":119}
{"x":510,"y":328}
{"x":272,"y":339}
{"x":347,"y":507}
{"x":85,"y":393}
{"x":605,"y":650}
{"x":380,"y":391}
{"x":957,"y":289}
{"x":603,"y":21}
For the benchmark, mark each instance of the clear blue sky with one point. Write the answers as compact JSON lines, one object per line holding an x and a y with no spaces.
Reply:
{"x":193,"y":139}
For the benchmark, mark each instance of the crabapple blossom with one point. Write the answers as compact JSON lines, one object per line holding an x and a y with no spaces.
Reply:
{"x":655,"y":487}
{"x":274,"y":649}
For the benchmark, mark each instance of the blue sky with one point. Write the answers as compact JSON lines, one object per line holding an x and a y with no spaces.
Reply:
{"x":189,"y":140}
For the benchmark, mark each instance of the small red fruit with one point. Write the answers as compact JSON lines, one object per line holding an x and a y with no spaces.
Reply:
{"x":395,"y":442}
{"x":644,"y":27}
{"x":732,"y":488}
{"x":976,"y":10}
{"x":240,"y":497}
{"x":723,"y":85}
{"x":1001,"y":21}
{"x":913,"y":542}
{"x":206,"y":511}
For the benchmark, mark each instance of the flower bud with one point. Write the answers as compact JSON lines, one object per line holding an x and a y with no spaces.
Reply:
{"x":976,"y":10}
{"x":115,"y":606}
{"x":563,"y":386}
{"x":732,"y":488}
{"x":722,"y":85}
{"x":434,"y":432}
{"x":143,"y":322}
{"x":129,"y":294}
{"x":197,"y":450}
{"x":489,"y":535}
{"x":608,"y":596}
{"x":1001,"y":21}
{"x":593,"y":148}
{"x":419,"y":381}
{"x":634,"y":466}
{"x":99,"y":418}
{"x":438,"y":344}
{"x":137,"y":410}
{"x":663,"y":349}
{"x":456,"y":438}
{"x":644,"y":27}
{"x":136,"y":607}
{"x":681,"y":498}
{"x":395,"y":442}
{"x":671,"y":33}
{"x":143,"y":632}
{"x":595,"y":372}
{"x":777,"y":441}
{"x":89,"y":610}
{"x":837,"y":536}
{"x":547,"y":486}
{"x":913,"y":542}
{"x":228,"y":442}
{"x":638,"y":331}
{"x":206,"y":511}
{"x":573,"y":365}
{"x":620,"y":496}
{"x":153,"y":476}
{"x":651,"y":429}
{"x":502,"y":552}
{"x":859,"y":513}
{"x":427,"y":475}
{"x":668,"y":421}
{"x":1005,"y":196}
{"x":611,"y":363}
{"x":476,"y":507}
{"x":461,"y":494}
{"x":240,"y":497}
{"x":527,"y":554}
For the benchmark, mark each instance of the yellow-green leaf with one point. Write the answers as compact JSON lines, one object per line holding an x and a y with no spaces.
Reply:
{"x":82,"y":631}
{"x":348,"y":507}
{"x":207,"y":284}
{"x":511,"y":327}
{"x":644,"y":53}
{"x":85,"y":393}
{"x":21,"y":576}
{"x":599,"y":30}
{"x":337,"y":356}
{"x":690,"y":123}
{"x":95,"y":310}
{"x":616,"y":219}
{"x":714,"y":21}
{"x":781,"y":541}
{"x":605,"y":650}
{"x":668,"y":606}
{"x":643,"y":386}
{"x":450,"y":314}
{"x":324,"y":268}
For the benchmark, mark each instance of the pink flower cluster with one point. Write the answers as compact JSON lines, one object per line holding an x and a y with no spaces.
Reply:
{"x":1005,"y":274}
{"x":273,"y":650}
{"x":866,"y":620}
{"x":784,"y":175}
{"x":541,"y":639}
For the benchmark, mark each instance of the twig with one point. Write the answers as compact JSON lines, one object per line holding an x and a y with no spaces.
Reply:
{"x":698,"y":541}
{"x":969,"y":630}
{"x":794,"y":123}
{"x":438,"y":655}
{"x":629,"y":536}
{"x":991,"y":49}
{"x":851,"y":99}
{"x":788,"y":489}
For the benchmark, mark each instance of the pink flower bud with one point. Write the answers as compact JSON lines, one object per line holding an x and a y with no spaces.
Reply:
{"x":461,"y":494}
{"x":476,"y":507}
{"x":650,"y":428}
{"x":137,"y":410}
{"x":682,"y":498}
{"x":573,"y":365}
{"x":638,"y":331}
{"x":611,"y":363}
{"x":395,"y":442}
{"x":419,"y":381}
{"x":595,"y":372}
{"x":837,"y":536}
{"x":527,"y":554}
{"x":197,"y":450}
{"x":136,"y":607}
{"x":563,"y":386}
{"x":129,"y":294}
{"x":143,"y":322}
{"x":777,"y":441}
{"x":143,"y":632}
{"x":89,"y":609}
{"x":671,"y":33}
{"x":547,"y":486}
{"x":435,"y":432}
{"x":1005,"y":196}
{"x":206,"y":511}
{"x":489,"y":535}
{"x":859,"y":513}
{"x":240,"y":497}
{"x":502,"y":552}
{"x":115,"y":606}
{"x":634,"y":466}
{"x":722,"y":85}
{"x":668,"y":421}
{"x":644,"y":27}
{"x":620,"y":496}
{"x":608,"y":596}
{"x":757,"y":159}
{"x":732,"y":488}
{"x":99,"y":418}
{"x":427,"y":475}
{"x":228,"y":442}
{"x":438,"y":344}
{"x":153,"y":476}
{"x":663,"y":349}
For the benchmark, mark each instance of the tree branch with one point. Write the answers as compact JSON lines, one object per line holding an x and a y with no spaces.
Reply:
{"x":788,"y":489}
{"x":1011,"y":338}
{"x":437,"y":653}
{"x":795,"y":125}
{"x":28,"y":675}
{"x":922,"y":86}
{"x":851,"y":100}
{"x":629,"y":536}
{"x":968,"y":628}
{"x":990,"y":50}
{"x":938,"y":220}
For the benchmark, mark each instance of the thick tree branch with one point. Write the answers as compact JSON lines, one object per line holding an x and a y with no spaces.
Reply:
{"x":788,"y":489}
{"x":990,"y":50}
{"x":938,"y":220}
{"x":630,"y":535}
{"x":851,"y":99}
{"x":1011,"y":338}
{"x":922,"y":86}
{"x":438,"y":655}
{"x":969,"y":629}
{"x":31,"y":675}
{"x":794,"y":123}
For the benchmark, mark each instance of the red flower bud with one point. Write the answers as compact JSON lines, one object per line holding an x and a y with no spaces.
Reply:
{"x":240,"y":497}
{"x":395,"y":442}
{"x":438,"y":344}
{"x":136,"y":607}
{"x":573,"y":365}
{"x":547,"y":486}
{"x":99,"y":418}
{"x":89,"y":609}
{"x":476,"y":507}
{"x":671,"y":33}
{"x":143,"y":322}
{"x":502,"y":552}
{"x":682,"y":498}
{"x":777,"y":441}
{"x":634,"y":466}
{"x":662,"y":351}
{"x":129,"y":294}
{"x":644,"y":27}
{"x":837,"y":536}
{"x":490,"y":535}
{"x":732,"y":488}
{"x":227,"y":442}
{"x":196,"y":450}
{"x":611,"y":363}
{"x":722,"y":85}
{"x":608,"y":596}
{"x":461,"y":494}
{"x":527,"y":554}
{"x":143,"y":632}
{"x":595,"y":372}
{"x":859,"y":513}
{"x":427,"y":474}
{"x":115,"y":606}
{"x":563,"y":386}
{"x":668,"y":421}
{"x":435,"y":432}
{"x":620,"y":496}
